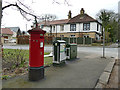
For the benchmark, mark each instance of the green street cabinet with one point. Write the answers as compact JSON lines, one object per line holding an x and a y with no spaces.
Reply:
{"x":71,"y":51}
{"x":59,"y":55}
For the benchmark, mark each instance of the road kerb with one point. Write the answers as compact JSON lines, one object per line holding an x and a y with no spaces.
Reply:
{"x":99,"y":85}
{"x":109,"y":67}
{"x":104,"y":78}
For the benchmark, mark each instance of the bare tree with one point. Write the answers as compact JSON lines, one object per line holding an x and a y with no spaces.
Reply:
{"x":22,"y":8}
{"x":47,"y":17}
{"x":66,"y":2}
{"x":26,"y":11}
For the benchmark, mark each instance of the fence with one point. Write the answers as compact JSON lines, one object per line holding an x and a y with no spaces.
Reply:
{"x":25,"y":39}
{"x":49,"y":40}
{"x":78,"y":40}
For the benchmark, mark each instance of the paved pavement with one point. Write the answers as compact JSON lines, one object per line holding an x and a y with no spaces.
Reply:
{"x":80,"y":73}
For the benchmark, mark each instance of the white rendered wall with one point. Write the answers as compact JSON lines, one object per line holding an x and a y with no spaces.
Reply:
{"x":93,"y":26}
{"x":67,"y":28}
{"x":47,"y":29}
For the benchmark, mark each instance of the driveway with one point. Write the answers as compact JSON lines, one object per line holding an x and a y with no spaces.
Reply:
{"x":80,"y":73}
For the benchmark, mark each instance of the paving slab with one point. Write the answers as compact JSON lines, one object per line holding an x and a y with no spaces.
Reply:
{"x":99,"y":85}
{"x":109,"y":67}
{"x":104,"y":78}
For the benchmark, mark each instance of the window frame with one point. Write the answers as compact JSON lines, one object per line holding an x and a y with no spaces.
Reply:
{"x":53,"y":28}
{"x":86,"y":26}
{"x":97,"y":27}
{"x":72,"y":27}
{"x":72,"y":35}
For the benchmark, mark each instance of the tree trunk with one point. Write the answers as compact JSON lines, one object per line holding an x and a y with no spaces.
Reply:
{"x":0,"y":19}
{"x":0,"y":43}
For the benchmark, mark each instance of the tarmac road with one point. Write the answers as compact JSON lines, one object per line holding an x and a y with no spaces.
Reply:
{"x":26,"y":47}
{"x":112,"y":52}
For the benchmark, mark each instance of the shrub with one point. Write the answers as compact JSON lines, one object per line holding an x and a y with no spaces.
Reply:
{"x":15,"y":58}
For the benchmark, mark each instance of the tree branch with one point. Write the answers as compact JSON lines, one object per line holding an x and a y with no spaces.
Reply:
{"x":19,"y":8}
{"x":23,"y":5}
{"x":8,"y":6}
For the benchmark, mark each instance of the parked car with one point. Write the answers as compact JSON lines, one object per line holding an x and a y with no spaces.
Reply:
{"x":117,"y":41}
{"x":12,"y":41}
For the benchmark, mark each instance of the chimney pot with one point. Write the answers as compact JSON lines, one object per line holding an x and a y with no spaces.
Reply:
{"x":69,"y":14}
{"x":82,"y":11}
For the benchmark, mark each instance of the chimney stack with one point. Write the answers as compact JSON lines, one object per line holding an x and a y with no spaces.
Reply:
{"x":69,"y":14}
{"x":82,"y":11}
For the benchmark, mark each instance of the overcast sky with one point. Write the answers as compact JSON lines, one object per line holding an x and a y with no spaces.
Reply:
{"x":12,"y":17}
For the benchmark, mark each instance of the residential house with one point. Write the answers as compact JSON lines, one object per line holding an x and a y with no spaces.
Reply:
{"x":6,"y":35}
{"x":81,"y":25}
{"x":14,"y":29}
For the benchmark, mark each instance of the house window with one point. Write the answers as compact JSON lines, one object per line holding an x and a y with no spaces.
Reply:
{"x":100,"y":28}
{"x":61,"y":27}
{"x":85,"y":36}
{"x":72,"y":35}
{"x":73,"y":27}
{"x":61,"y":35}
{"x":50,"y":29}
{"x":86,"y":26}
{"x":97,"y":27}
{"x":41,"y":26}
{"x":53,"y":28}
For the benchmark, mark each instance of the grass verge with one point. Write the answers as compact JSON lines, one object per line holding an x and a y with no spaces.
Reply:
{"x":16,"y":62}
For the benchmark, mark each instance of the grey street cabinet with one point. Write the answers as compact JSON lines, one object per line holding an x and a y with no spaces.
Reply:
{"x":59,"y":55}
{"x":71,"y":51}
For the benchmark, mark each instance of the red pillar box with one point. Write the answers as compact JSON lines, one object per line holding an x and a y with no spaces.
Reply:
{"x":36,"y":54}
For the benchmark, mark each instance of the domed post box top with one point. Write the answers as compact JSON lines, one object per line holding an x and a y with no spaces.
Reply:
{"x":36,"y":31}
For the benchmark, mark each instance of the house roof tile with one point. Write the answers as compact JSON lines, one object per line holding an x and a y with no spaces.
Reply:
{"x":14,"y":29}
{"x":6,"y":31}
{"x":81,"y":18}
{"x":63,"y":21}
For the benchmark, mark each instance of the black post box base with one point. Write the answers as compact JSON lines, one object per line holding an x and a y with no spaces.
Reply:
{"x":36,"y":73}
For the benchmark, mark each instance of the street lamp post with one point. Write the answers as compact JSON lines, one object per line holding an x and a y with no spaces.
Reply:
{"x":107,"y":38}
{"x":56,"y":32}
{"x":103,"y":43}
